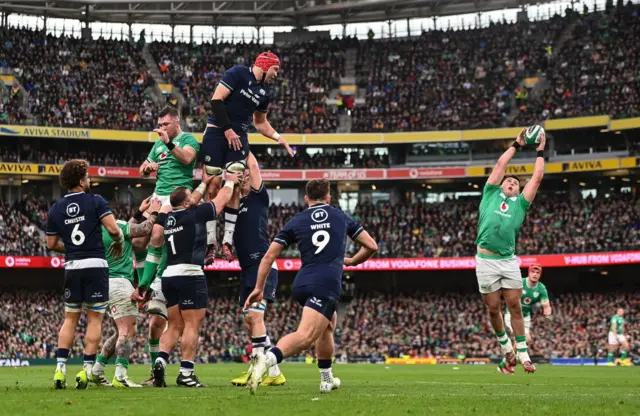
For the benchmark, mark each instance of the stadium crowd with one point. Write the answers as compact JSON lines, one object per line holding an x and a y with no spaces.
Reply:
{"x":370,"y":327}
{"x":447,"y":229}
{"x":80,"y":83}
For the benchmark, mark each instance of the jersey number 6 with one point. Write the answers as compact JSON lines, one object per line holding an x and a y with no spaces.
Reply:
{"x":321,"y":244}
{"x":77,"y":236}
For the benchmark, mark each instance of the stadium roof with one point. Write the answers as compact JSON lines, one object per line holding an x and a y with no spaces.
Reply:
{"x":252,"y":13}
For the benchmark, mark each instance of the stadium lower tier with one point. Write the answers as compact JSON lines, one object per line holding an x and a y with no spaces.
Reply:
{"x":370,"y":327}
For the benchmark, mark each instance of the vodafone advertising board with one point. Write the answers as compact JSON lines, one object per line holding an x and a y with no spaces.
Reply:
{"x":451,"y":263}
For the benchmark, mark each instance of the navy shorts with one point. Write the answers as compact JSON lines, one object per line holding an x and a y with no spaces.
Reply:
{"x":86,"y":285}
{"x":248,"y":283}
{"x":320,"y":302}
{"x":188,"y":292}
{"x":215,"y":150}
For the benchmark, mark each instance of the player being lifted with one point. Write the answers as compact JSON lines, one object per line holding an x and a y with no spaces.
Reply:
{"x":320,"y":232}
{"x":123,"y":305}
{"x":242,"y":96}
{"x":181,"y":227}
{"x":252,"y":241}
{"x":173,"y":157}
{"x":502,"y":211}
{"x":76,"y":220}
{"x":533,"y":292}
{"x":617,"y":338}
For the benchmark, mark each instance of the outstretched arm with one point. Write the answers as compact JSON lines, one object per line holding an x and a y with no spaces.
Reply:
{"x":263,"y":127}
{"x":530,"y":190}
{"x":499,"y":169}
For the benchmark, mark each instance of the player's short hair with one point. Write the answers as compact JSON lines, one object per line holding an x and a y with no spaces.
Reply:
{"x":169,"y":111}
{"x":178,"y":196}
{"x":511,"y":176}
{"x":73,"y":172}
{"x":318,"y":189}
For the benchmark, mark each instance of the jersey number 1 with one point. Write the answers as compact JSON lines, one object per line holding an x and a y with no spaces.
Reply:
{"x":321,"y":244}
{"x":173,"y":247}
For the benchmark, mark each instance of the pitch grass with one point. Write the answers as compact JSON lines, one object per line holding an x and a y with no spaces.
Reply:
{"x":366,"y":390}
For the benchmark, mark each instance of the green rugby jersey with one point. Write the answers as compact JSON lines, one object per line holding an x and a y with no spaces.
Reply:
{"x":123,"y":265}
{"x":171,"y":173}
{"x":619,"y":321}
{"x":500,"y":220}
{"x":531,"y":296}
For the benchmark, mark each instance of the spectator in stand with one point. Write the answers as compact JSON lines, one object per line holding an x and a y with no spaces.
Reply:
{"x":373,"y":326}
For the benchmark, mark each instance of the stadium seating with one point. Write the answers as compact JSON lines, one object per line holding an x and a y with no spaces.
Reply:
{"x":373,"y":326}
{"x":80,"y":83}
{"x":595,"y":73}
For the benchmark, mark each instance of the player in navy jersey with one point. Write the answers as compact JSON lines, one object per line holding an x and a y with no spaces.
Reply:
{"x":74,"y":228}
{"x":248,"y":210}
{"x":181,"y":228}
{"x":240,"y":99}
{"x":321,"y":233}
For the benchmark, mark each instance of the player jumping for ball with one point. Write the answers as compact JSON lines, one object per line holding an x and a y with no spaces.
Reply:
{"x":533,"y":292}
{"x":502,"y":211}
{"x":321,"y":233}
{"x":240,"y":99}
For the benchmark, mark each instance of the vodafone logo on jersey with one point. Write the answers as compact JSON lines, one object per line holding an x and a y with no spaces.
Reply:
{"x":527,"y":301}
{"x":504,"y":207}
{"x":9,"y":261}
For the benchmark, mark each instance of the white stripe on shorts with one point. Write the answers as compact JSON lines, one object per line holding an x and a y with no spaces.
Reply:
{"x":85,"y":264}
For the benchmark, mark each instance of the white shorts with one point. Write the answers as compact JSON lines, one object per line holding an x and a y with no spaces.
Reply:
{"x":616,"y":339}
{"x":163,"y":198}
{"x":120,"y":304}
{"x":157,"y":294}
{"x":527,"y":323}
{"x":494,"y":275}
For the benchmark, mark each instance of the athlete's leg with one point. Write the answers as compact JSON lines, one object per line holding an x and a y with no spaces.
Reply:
{"x":192,"y":319}
{"x":169,"y":338}
{"x":324,"y":353}
{"x":108,"y":351}
{"x":624,"y":347}
{"x":230,"y":218}
{"x":126,"y":339}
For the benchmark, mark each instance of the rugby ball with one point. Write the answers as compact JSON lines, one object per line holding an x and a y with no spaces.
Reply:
{"x":533,"y":134}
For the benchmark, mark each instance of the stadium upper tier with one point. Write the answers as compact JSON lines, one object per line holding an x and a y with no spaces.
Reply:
{"x":505,"y":74}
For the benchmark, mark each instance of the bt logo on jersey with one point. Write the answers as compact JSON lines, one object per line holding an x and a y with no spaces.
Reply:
{"x":319,"y":215}
{"x":73,"y":209}
{"x":171,"y":221}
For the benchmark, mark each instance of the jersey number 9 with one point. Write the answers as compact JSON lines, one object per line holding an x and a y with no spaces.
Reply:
{"x":321,"y":244}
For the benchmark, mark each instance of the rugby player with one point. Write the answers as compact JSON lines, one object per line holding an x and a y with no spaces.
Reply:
{"x":181,"y":227}
{"x":320,"y":232}
{"x":617,"y":338}
{"x":173,"y":157}
{"x":502,"y":211}
{"x":533,"y":292}
{"x":74,"y":228}
{"x":122,"y":305}
{"x":242,"y":96}
{"x":252,"y":241}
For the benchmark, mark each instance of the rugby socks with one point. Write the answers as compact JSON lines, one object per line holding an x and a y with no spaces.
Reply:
{"x":154,"y":347}
{"x":230,"y":218}
{"x":121,"y":368}
{"x":186,"y":368}
{"x":154,"y":256}
{"x":623,"y":354}
{"x":274,"y":356}
{"x":521,"y":347}
{"x":212,"y":229}
{"x":274,"y":371}
{"x":610,"y":357}
{"x":258,"y":344}
{"x":505,"y":342}
{"x":101,"y":363}
{"x":87,"y":364}
{"x":163,"y":357}
{"x":62,"y":354}
{"x":325,"y":371}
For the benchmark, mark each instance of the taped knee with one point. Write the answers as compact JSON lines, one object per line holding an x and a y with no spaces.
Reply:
{"x":259,"y":307}
{"x":236,"y":167}
{"x":156,"y":307}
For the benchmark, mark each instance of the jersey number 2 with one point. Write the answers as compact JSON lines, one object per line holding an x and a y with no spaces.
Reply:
{"x":321,"y":244}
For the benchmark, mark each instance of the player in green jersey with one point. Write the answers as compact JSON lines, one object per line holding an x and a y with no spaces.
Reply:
{"x":502,"y":211}
{"x":617,"y":338}
{"x":173,"y":156}
{"x":533,"y":292}
{"x":122,"y":304}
